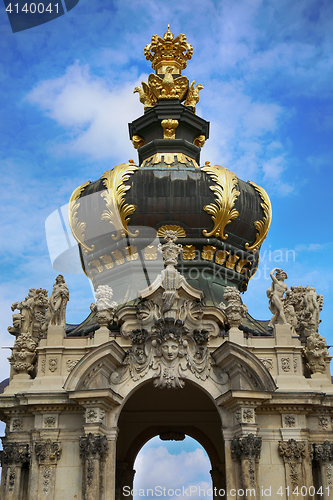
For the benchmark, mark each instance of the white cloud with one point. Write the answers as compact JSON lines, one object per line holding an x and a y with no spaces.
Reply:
{"x":158,"y":467}
{"x":95,"y":117}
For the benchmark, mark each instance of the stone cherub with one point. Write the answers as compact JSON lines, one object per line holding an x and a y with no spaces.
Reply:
{"x":275,"y":294}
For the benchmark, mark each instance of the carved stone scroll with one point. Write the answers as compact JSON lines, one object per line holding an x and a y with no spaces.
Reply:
{"x":246,"y":450}
{"x":93,"y":450}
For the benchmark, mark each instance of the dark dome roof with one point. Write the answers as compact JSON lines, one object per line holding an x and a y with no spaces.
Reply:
{"x":221,"y":221}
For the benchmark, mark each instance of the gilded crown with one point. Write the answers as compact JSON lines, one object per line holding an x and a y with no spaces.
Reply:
{"x":168,"y":51}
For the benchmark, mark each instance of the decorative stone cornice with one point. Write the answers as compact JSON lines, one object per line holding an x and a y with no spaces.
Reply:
{"x":15,"y":454}
{"x":247,"y":447}
{"x":323,"y":452}
{"x":291,"y":450}
{"x":47,"y":452}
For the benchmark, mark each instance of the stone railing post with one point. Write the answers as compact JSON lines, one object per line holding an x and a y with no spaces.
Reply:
{"x":48,"y":453}
{"x":93,"y":451}
{"x":14,"y":456}
{"x":323,"y":454}
{"x":246,"y":450}
{"x":293,"y":454}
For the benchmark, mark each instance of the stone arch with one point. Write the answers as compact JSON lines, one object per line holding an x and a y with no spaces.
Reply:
{"x":150,"y":411}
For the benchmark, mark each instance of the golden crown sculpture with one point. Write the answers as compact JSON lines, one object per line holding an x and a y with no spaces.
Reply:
{"x":168,"y":56}
{"x":168,"y":51}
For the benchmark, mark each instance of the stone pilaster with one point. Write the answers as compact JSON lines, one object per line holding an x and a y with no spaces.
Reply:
{"x":13,"y":458}
{"x":93,"y":451}
{"x":323,"y":454}
{"x":48,"y":453}
{"x":246,"y":451}
{"x":293,"y":454}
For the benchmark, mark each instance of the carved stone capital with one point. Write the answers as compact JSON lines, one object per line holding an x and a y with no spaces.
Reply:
{"x":323,"y":452}
{"x":92,"y":446}
{"x":291,"y":450}
{"x":247,"y":447}
{"x":47,"y":452}
{"x":16,"y":454}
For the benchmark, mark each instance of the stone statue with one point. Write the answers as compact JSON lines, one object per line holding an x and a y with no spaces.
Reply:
{"x":313,"y":304}
{"x":170,"y":276}
{"x":32,"y":313}
{"x":302,"y":306}
{"x":275,"y":294}
{"x":58,"y":302}
{"x":235,"y":311}
{"x":316,"y":353}
{"x":104,"y":306}
{"x":24,"y":321}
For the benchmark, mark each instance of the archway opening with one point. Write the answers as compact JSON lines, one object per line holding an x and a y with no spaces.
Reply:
{"x":171,"y":414}
{"x":172,"y":469}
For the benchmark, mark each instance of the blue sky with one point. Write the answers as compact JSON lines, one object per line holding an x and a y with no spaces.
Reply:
{"x":67,"y":95}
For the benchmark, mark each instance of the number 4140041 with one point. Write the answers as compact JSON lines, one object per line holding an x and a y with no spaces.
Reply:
{"x":304,"y":491}
{"x":33,"y":8}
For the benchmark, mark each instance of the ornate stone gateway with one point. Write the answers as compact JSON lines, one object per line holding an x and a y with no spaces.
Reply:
{"x":169,"y":348}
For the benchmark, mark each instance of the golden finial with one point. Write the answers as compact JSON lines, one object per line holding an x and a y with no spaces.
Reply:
{"x":168,"y":36}
{"x":168,"y":51}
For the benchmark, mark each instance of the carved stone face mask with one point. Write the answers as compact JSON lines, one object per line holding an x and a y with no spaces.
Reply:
{"x":170,"y":350}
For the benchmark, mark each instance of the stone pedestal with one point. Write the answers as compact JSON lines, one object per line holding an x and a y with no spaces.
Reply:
{"x":236,"y":336}
{"x":283,"y":335}
{"x":55,"y":335}
{"x":102,"y":335}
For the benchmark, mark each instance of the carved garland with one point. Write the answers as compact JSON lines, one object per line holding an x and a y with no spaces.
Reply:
{"x":261,"y":225}
{"x":222,"y":211}
{"x":118,"y":212}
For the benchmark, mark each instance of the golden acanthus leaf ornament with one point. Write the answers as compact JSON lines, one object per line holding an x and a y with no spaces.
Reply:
{"x":261,"y":225}
{"x":192,"y":97}
{"x":222,"y":211}
{"x":118,"y":212}
{"x":76,"y":226}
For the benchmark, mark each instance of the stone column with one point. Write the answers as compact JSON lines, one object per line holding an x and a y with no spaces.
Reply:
{"x":246,"y":451}
{"x":14,"y":456}
{"x":124,"y":477}
{"x":293,"y":454}
{"x":48,"y":453}
{"x":93,"y":451}
{"x":219,"y":482}
{"x":323,"y":454}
